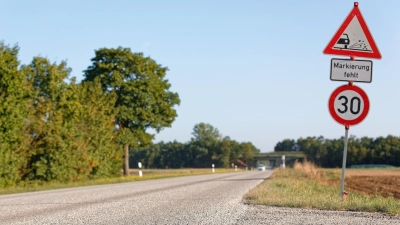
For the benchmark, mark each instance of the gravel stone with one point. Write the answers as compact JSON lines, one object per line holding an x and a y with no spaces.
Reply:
{"x":257,"y":214}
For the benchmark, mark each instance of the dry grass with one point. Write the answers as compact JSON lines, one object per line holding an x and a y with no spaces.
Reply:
{"x":306,"y":186}
{"x":308,"y":169}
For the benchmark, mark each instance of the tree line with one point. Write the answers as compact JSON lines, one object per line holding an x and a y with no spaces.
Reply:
{"x":329,"y":152}
{"x":206,"y":147}
{"x":55,"y":128}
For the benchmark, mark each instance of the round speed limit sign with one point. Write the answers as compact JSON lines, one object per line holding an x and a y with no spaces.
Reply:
{"x":348,"y":105}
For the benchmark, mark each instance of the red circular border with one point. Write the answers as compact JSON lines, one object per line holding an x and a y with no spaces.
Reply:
{"x":332,"y":110}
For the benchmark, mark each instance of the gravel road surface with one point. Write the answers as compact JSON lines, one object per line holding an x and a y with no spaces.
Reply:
{"x":203,"y":199}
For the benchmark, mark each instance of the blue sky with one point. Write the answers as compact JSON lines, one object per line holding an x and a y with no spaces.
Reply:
{"x":253,"y":69}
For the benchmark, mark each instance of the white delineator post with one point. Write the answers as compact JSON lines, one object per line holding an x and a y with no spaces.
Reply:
{"x":213,"y":170}
{"x":140,"y":169}
{"x":283,"y":162}
{"x":235,"y":168}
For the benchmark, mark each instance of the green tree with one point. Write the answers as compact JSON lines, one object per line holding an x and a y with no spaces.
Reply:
{"x":286,"y":145}
{"x":248,"y":151}
{"x":198,"y":152}
{"x":205,"y":144}
{"x":356,"y":152}
{"x":205,"y":132}
{"x":13,"y":114}
{"x":70,"y":125}
{"x":50,"y":131}
{"x":93,"y":116}
{"x":235,"y":152}
{"x":224,"y":152}
{"x":173,"y":155}
{"x":143,"y":97}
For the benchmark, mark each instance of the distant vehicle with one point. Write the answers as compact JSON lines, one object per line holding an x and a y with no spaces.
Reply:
{"x":261,"y":167}
{"x":344,"y":40}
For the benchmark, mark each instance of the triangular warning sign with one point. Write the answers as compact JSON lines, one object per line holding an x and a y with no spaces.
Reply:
{"x":353,"y":38}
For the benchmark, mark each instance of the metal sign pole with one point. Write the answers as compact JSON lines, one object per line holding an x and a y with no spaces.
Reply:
{"x":346,"y":136}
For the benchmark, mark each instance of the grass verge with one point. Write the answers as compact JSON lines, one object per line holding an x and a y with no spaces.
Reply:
{"x":304,"y":186}
{"x":147,"y":175}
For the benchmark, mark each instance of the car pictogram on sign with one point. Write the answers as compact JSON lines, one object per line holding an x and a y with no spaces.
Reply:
{"x":344,"y":40}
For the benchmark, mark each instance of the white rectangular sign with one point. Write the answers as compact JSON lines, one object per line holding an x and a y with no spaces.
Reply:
{"x":355,"y":70}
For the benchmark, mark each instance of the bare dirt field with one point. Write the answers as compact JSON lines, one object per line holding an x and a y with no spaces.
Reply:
{"x":385,"y":182}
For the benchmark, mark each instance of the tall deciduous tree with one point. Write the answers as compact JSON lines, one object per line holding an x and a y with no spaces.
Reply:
{"x":70,"y":126}
{"x":13,"y":112}
{"x":205,"y":132}
{"x":48,"y":129}
{"x":93,"y":128}
{"x":143,"y":97}
{"x":286,"y":145}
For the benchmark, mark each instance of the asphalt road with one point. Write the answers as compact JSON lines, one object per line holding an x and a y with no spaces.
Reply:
{"x":203,"y":199}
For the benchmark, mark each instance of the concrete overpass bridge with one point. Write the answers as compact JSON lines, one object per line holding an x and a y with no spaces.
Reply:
{"x":274,"y":159}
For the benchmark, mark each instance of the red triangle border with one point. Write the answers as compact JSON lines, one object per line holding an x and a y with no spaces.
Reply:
{"x":375,"y":54}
